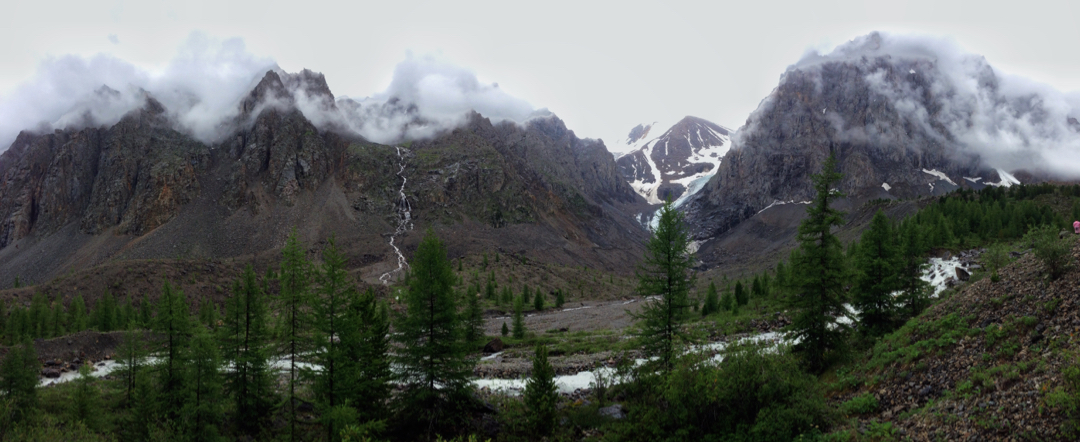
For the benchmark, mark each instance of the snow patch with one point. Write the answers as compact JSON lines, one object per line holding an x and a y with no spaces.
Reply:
{"x":939,"y":174}
{"x":886,"y":186}
{"x":1007,"y":179}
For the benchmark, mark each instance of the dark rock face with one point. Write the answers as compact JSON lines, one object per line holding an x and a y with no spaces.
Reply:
{"x":140,"y":182}
{"x":494,"y":346}
{"x":691,"y":148}
{"x":855,"y":109}
{"x":134,"y":176}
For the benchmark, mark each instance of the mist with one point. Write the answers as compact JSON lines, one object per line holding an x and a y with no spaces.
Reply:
{"x":202,"y":87}
{"x":1011,"y":122}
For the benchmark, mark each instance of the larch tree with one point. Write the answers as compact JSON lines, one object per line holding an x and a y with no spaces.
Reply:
{"x":433,"y":358}
{"x":876,"y":263}
{"x":817,"y":275}
{"x":666,"y":273}
{"x":245,"y":337}
{"x":293,"y":311}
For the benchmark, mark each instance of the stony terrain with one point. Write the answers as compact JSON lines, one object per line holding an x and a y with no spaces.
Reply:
{"x":988,"y":377}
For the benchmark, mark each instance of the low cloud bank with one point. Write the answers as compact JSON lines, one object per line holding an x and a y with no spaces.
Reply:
{"x":203,"y":87}
{"x":955,"y":97}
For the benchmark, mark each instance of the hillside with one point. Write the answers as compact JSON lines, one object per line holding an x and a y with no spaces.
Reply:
{"x":982,"y":363}
{"x":143,"y":189}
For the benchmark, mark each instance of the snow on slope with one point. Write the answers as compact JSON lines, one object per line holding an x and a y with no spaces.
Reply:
{"x":680,"y":158}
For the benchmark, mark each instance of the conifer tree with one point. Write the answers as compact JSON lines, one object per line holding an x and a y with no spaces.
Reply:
{"x":38,"y":313}
{"x":755,"y":287}
{"x":85,"y":400}
{"x":519,"y":319}
{"x":78,"y":314}
{"x":131,"y":353}
{"x":507,"y":295}
{"x":104,"y":313}
{"x":18,"y":381}
{"x":741,"y":297}
{"x":914,"y":291}
{"x":665,"y":272}
{"x":560,"y":298}
{"x":818,"y":275}
{"x":145,"y":316}
{"x":473,"y":322}
{"x":538,"y":300}
{"x":433,"y":357}
{"x":208,"y":313}
{"x":712,"y":301}
{"x":202,"y":409}
{"x":526,"y":295}
{"x":541,"y":395}
{"x":875,"y":279}
{"x":727,"y":301}
{"x":126,"y":316}
{"x":173,"y":323}
{"x":245,"y":335}
{"x":505,"y":329}
{"x":489,"y":291}
{"x":332,"y":295}
{"x":292,"y":308}
{"x":3,"y":319}
{"x":365,"y":346}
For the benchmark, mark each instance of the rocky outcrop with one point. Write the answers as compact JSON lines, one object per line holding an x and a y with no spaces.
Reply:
{"x":888,"y":119}
{"x":667,"y":164}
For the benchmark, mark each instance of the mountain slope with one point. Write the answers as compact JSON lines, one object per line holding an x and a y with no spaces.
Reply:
{"x":142,"y":189}
{"x":904,"y":118}
{"x":675,"y":163}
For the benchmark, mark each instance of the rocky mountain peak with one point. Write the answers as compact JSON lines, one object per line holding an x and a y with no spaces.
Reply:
{"x":674,"y":161}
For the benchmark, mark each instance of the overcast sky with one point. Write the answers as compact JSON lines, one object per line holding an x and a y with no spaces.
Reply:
{"x":601,"y":66}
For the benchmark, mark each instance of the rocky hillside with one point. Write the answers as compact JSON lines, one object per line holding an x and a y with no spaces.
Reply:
{"x":672,"y":162}
{"x":979,"y":365}
{"x":144,"y":189}
{"x":904,"y":119}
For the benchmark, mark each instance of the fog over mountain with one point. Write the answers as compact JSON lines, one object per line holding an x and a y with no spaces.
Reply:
{"x":1011,"y":122}
{"x":203,"y":85}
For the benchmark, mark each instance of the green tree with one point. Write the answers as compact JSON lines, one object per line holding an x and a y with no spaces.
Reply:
{"x":541,"y":394}
{"x":489,"y":290}
{"x":741,"y":297}
{"x":560,"y":298}
{"x":1055,"y":253}
{"x":18,"y":381}
{"x":365,"y":345}
{"x":104,"y":313}
{"x":433,"y":358}
{"x":474,"y":321}
{"x":333,"y":293}
{"x":208,"y":313}
{"x":526,"y":295}
{"x":914,"y":291}
{"x":727,"y":301}
{"x":518,"y":319}
{"x":3,"y":318}
{"x":245,"y":337}
{"x":295,"y":279}
{"x":876,"y":264}
{"x":538,"y":300}
{"x":995,"y":258}
{"x":712,"y":301}
{"x":666,"y":272}
{"x":146,"y":318}
{"x":818,"y":272}
{"x":39,"y":312}
{"x":202,"y":409}
{"x":85,"y":400}
{"x":131,"y":356}
{"x":505,"y":329}
{"x":173,"y":324}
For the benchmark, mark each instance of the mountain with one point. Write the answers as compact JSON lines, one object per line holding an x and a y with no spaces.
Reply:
{"x":672,"y":161}
{"x":906,"y":118}
{"x":144,"y":188}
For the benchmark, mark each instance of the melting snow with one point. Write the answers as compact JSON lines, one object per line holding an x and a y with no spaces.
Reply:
{"x":939,"y":174}
{"x":886,"y":186}
{"x":1006,"y":179}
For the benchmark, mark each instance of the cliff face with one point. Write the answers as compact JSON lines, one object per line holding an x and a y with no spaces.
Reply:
{"x":897,"y":125}
{"x":673,"y":163}
{"x":141,"y":189}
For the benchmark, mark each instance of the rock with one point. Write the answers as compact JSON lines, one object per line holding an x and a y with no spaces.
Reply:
{"x":962,"y":274}
{"x":494,"y":346}
{"x":50,"y":373}
{"x":614,"y":411}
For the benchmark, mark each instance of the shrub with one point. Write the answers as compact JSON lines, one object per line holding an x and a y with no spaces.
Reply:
{"x":1054,"y":252}
{"x":861,"y":404}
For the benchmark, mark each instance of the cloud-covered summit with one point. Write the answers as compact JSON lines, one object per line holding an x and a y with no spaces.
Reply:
{"x":204,"y":88}
{"x":954,"y":97}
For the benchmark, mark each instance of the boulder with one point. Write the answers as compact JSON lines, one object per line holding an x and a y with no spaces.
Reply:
{"x":50,"y":373}
{"x":962,"y":274}
{"x":494,"y":346}
{"x":614,"y":411}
